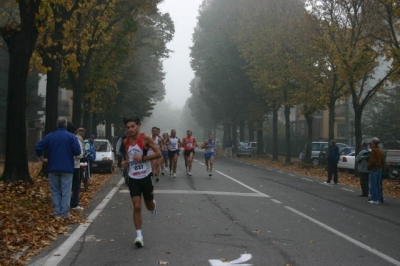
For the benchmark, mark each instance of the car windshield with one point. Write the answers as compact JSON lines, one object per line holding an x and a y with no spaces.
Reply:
{"x":243,"y":145}
{"x":101,"y":146}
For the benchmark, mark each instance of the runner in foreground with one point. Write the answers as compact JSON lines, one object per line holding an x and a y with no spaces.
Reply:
{"x":139,"y":170}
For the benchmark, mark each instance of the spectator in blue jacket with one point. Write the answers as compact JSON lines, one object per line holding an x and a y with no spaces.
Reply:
{"x":62,"y":146}
{"x":332,"y":161}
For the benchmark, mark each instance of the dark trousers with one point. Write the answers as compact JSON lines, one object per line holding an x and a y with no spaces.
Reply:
{"x":76,"y":187}
{"x":332,"y":170}
{"x":364,"y":183}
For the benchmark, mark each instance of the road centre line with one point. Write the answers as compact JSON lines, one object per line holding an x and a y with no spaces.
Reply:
{"x":276,"y":201}
{"x":346,"y":237}
{"x":222,"y":193}
{"x":58,"y":255}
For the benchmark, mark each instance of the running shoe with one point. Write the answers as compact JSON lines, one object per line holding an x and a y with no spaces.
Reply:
{"x":174,"y":175}
{"x":154,"y":211}
{"x":166,"y":169}
{"x":139,"y":242}
{"x":79,"y":208}
{"x":210,"y":174}
{"x":157,"y":179}
{"x":190,"y":173}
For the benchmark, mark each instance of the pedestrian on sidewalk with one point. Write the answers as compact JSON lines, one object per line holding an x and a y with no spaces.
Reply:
{"x":140,"y":183}
{"x":332,"y":161}
{"x":362,"y":160}
{"x":375,"y":164}
{"x":62,"y":146}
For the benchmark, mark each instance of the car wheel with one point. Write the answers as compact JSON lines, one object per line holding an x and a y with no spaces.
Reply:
{"x":315,"y":161}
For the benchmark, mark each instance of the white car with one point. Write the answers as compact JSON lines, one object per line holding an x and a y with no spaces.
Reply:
{"x":105,"y":157}
{"x":347,"y":159}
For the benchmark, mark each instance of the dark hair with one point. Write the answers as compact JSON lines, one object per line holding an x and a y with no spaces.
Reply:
{"x":70,"y":128}
{"x":134,"y":119}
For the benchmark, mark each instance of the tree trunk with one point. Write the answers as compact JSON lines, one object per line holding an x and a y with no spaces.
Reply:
{"x":234,"y":132}
{"x":287,"y":134}
{"x":20,"y":46}
{"x":52,"y":90}
{"x":260,"y":138}
{"x":241,"y":130}
{"x":309,"y":120}
{"x":275,"y":135}
{"x":251,"y":132}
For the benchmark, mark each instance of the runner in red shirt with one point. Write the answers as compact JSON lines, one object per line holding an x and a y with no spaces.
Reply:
{"x":189,"y":144}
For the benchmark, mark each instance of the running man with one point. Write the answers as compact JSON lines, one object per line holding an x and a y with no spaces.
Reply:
{"x":174,"y":146}
{"x":164,"y":153}
{"x":139,"y":170}
{"x":208,"y":145}
{"x":155,"y":166}
{"x":189,"y":144}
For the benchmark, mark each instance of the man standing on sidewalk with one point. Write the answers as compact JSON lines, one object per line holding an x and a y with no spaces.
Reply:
{"x":139,"y":170}
{"x":228,"y":148}
{"x":333,"y":160}
{"x":375,"y":164}
{"x":62,"y":146}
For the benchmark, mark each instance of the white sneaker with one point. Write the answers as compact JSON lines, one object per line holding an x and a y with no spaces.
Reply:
{"x":139,"y":242}
{"x":79,"y":208}
{"x":174,"y":175}
{"x":210,"y":174}
{"x":190,"y":173}
{"x":166,"y":169}
{"x":154,"y":211}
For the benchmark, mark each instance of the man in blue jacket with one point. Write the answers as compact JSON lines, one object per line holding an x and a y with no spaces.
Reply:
{"x":62,"y":146}
{"x":333,"y":160}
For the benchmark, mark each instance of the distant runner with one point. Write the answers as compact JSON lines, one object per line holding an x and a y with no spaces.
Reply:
{"x":155,"y":163}
{"x":189,"y":144}
{"x":208,"y":145}
{"x":164,"y":152}
{"x":174,"y":146}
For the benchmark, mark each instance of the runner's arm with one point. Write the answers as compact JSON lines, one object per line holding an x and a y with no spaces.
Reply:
{"x":149,"y":143}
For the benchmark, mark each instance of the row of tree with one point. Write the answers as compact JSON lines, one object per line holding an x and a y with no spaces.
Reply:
{"x":252,"y":58}
{"x":108,"y":52}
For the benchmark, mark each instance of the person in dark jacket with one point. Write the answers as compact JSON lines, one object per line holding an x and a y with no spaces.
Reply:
{"x":62,"y":146}
{"x":362,"y":160}
{"x":332,"y":161}
{"x":375,"y":164}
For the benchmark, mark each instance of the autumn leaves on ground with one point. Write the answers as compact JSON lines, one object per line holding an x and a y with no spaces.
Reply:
{"x":27,"y":226}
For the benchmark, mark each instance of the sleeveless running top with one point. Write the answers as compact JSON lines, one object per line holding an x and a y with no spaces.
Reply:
{"x":173,"y":144}
{"x":156,"y":142}
{"x":188,"y":143}
{"x":210,"y":148}
{"x":137,"y":170}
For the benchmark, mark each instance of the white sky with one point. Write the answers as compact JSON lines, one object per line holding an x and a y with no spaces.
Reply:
{"x":177,"y":67}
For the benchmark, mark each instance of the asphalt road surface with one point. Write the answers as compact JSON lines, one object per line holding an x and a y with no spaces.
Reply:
{"x":243,"y":215}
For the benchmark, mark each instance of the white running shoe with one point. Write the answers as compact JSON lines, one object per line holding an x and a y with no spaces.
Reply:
{"x":77,"y":208}
{"x":190,"y":173}
{"x":154,"y":211}
{"x":210,"y":175}
{"x":174,"y":175}
{"x":139,"y":242}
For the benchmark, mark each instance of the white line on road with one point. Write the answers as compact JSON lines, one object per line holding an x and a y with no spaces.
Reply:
{"x":307,"y":179}
{"x":291,"y":174}
{"x":223,"y":193}
{"x":348,"y":189}
{"x":276,"y":201}
{"x":246,"y":186}
{"x":63,"y":250}
{"x":346,"y":237}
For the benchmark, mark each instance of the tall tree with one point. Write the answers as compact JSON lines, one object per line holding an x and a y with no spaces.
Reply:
{"x":20,"y":34}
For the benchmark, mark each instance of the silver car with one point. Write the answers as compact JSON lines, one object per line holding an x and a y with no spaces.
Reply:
{"x":247,"y":148}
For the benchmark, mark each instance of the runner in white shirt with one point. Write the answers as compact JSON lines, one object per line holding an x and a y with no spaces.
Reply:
{"x":174,"y":146}
{"x":139,"y":170}
{"x":155,"y":164}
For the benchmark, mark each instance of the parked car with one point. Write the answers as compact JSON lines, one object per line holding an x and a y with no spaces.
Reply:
{"x":320,"y":146}
{"x":246,"y":149}
{"x":105,"y":157}
{"x":347,"y":159}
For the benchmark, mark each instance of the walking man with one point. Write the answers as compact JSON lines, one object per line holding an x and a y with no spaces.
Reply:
{"x":76,"y":181}
{"x":62,"y":146}
{"x":375,"y":164}
{"x":139,"y":170}
{"x":362,"y":160}
{"x":333,"y":160}
{"x":189,"y":144}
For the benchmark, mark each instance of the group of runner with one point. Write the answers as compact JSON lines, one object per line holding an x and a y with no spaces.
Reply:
{"x":145,"y":156}
{"x":170,"y":146}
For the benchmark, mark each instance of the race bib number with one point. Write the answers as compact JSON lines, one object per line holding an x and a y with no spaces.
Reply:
{"x":138,"y":168}
{"x":189,"y":144}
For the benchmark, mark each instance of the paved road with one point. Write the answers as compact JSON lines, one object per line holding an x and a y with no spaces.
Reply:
{"x":244,"y":215}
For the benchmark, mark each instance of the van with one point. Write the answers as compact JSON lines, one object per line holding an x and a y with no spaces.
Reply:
{"x":105,"y":157}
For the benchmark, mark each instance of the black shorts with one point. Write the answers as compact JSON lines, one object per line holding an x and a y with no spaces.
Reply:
{"x":172,"y":153}
{"x":188,"y":152}
{"x":139,"y":187}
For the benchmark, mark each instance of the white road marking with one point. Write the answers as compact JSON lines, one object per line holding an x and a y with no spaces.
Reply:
{"x":348,"y":189}
{"x":346,"y":237}
{"x":246,"y":186}
{"x":255,"y":165}
{"x":223,"y":193}
{"x":307,"y":179}
{"x":280,"y":172}
{"x":239,"y":261}
{"x":291,"y":174}
{"x":276,"y":201}
{"x":65,"y":247}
